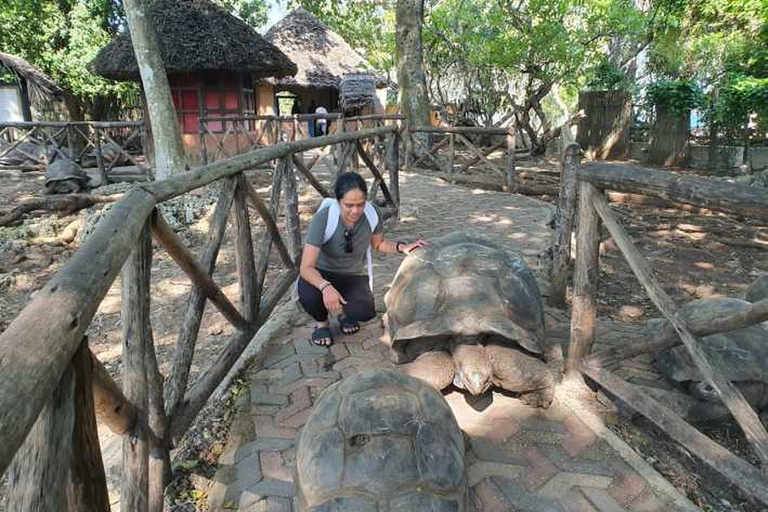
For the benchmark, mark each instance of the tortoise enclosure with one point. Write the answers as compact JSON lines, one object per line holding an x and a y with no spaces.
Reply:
{"x":379,"y":145}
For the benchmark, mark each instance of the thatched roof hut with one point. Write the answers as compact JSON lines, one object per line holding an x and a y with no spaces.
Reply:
{"x":322,"y":56}
{"x":32,"y":88}
{"x":196,"y":35}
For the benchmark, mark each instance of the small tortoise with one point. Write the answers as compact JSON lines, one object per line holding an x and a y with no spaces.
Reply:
{"x":380,"y":440}
{"x":467,"y":311}
{"x":741,"y":355}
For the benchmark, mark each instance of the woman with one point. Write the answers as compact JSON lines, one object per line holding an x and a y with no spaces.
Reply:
{"x":334,"y":279}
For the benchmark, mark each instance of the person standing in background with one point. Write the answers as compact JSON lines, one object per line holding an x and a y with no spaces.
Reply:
{"x":322,"y":123}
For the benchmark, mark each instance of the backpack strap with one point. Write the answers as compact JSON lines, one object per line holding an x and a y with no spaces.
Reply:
{"x":332,"y":223}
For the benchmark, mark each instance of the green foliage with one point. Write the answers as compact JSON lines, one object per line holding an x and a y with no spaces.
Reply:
{"x":253,"y":12}
{"x":607,"y":76}
{"x":674,"y":96}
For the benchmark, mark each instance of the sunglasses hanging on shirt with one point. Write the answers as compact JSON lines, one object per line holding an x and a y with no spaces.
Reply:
{"x":347,"y":241}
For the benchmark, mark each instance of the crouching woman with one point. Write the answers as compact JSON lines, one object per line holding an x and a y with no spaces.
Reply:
{"x":336,"y":264}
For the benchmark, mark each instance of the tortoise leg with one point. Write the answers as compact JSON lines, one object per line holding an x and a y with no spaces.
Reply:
{"x":521,"y":373}
{"x":434,"y":368}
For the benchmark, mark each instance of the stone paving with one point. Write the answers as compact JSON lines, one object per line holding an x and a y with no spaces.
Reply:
{"x":519,"y":458}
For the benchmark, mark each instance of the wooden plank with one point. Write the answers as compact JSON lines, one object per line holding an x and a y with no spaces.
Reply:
{"x":309,"y":176}
{"x":736,"y":470}
{"x":67,"y":303}
{"x":461,"y":129}
{"x":186,"y":261}
{"x":584,"y":280}
{"x":269,"y":222}
{"x":37,"y":481}
{"x":724,"y":196}
{"x":262,"y":260}
{"x":369,"y":163}
{"x":246,"y":271}
{"x":510,"y":175}
{"x":394,"y":169}
{"x":292,"y":210}
{"x":190,"y":327}
{"x":159,"y":454}
{"x":745,"y":416}
{"x":204,"y":386}
{"x":564,"y":221}
{"x":667,"y":337}
{"x":201,"y":176}
{"x":88,"y":481}
{"x":137,"y":334}
{"x":112,"y":407}
{"x":474,"y":149}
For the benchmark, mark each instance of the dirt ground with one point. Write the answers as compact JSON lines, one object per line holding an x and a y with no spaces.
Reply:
{"x":694,"y":255}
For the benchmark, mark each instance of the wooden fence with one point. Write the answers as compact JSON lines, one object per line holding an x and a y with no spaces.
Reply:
{"x":593,"y":183}
{"x":52,"y":386}
{"x":107,"y":146}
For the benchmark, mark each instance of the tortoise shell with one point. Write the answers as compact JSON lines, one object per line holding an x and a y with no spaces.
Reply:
{"x":381,"y":439}
{"x":465,"y":284}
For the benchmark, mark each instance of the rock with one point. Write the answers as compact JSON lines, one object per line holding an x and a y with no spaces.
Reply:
{"x":630,"y":313}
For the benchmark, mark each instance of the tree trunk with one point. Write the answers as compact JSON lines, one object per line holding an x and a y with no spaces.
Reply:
{"x":169,"y":152}
{"x":414,"y":101}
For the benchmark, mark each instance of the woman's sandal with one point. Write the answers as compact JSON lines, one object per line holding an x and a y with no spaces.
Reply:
{"x":348,"y":325}
{"x":322,"y":337}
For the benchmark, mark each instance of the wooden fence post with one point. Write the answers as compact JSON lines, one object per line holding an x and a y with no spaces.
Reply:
{"x":137,"y":334}
{"x":584,"y":311}
{"x":511,"y":174}
{"x":99,"y":155}
{"x":564,"y":221}
{"x":292,"y":208}
{"x":451,"y":152}
{"x":246,"y":270}
{"x":394,"y":171}
{"x":40,"y":471}
{"x":88,"y":482}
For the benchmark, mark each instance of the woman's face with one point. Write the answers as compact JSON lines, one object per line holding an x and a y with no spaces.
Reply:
{"x":352,"y":206}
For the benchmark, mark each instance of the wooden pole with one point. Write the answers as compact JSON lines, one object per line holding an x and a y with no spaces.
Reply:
{"x":67,"y":303}
{"x":112,"y":407}
{"x":511,"y":178}
{"x":564,"y":221}
{"x":376,"y":174}
{"x":88,"y":482}
{"x":741,"y":410}
{"x":159,"y":455}
{"x":584,"y":311}
{"x":394,"y":171}
{"x":244,"y":252}
{"x":667,"y":337}
{"x":736,"y":470}
{"x":99,"y":155}
{"x":195,"y":271}
{"x":37,"y":481}
{"x":292,"y":209}
{"x":266,"y":243}
{"x":723,"y":196}
{"x":190,"y":327}
{"x":137,"y":334}
{"x":310,"y":177}
{"x":269,"y":222}
{"x":451,"y":152}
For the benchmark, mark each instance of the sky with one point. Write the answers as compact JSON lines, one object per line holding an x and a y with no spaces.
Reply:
{"x":276,"y":12}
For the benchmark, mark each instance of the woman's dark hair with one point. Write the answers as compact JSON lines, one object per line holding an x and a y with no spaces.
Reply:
{"x":349,"y":181}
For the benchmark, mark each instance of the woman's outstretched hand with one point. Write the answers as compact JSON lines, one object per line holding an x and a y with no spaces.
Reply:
{"x":333,"y":300}
{"x":415,"y":246}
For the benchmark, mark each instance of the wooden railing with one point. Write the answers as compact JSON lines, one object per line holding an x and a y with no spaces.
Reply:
{"x":50,"y":381}
{"x":103,"y":145}
{"x":593,"y":183}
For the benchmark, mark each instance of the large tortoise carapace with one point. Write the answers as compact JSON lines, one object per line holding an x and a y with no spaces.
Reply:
{"x":467,"y":311}
{"x":381,"y":440}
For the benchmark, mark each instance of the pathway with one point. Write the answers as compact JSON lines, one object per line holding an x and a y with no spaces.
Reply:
{"x":520,"y":459}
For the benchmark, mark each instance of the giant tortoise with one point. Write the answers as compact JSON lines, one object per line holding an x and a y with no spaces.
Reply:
{"x":63,"y":176}
{"x":741,"y":355}
{"x":381,"y":440}
{"x":466,"y":311}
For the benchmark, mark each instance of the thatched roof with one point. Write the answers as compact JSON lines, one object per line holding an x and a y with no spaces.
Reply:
{"x":41,"y":86}
{"x":322,"y":56}
{"x":196,"y":35}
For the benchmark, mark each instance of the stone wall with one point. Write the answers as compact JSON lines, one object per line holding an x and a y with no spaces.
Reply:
{"x":730,"y":157}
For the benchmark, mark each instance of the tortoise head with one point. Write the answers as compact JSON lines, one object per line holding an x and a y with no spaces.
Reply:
{"x":473,"y":369}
